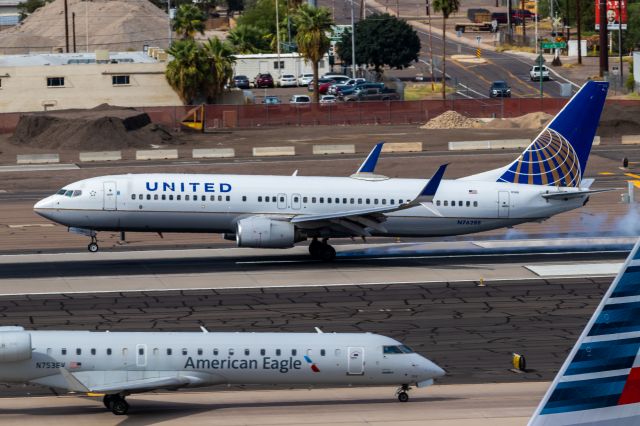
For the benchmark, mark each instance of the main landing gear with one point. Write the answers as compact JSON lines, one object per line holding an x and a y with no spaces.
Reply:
{"x":116,"y":403}
{"x":403,"y":393}
{"x":322,"y":250}
{"x":93,"y":245}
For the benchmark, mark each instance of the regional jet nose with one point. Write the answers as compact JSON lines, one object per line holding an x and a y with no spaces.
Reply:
{"x":433,"y":369}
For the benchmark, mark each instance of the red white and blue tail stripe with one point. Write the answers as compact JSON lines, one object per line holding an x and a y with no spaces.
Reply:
{"x":599,"y":383}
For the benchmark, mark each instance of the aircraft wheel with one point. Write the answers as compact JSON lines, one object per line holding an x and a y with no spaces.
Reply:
{"x":315,"y":248}
{"x":327,"y":253}
{"x":403,"y":397}
{"x":107,"y":401}
{"x":92,"y":247}
{"x":119,"y":406}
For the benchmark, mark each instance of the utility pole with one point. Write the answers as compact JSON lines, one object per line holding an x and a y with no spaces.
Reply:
{"x":509,"y":31}
{"x":536,"y":24}
{"x":353,"y":44}
{"x":578,"y":33}
{"x":73,"y":27}
{"x":66,"y":25}
{"x":604,"y":54}
{"x":620,"y":41}
{"x":169,"y":16}
{"x":524,"y":23}
{"x":86,"y":24}
{"x":278,"y":40}
{"x":398,"y":8}
{"x":363,"y":12}
{"x":433,"y":84}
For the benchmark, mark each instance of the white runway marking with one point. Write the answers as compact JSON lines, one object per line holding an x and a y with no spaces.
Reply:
{"x":572,"y":270}
{"x":38,"y":168}
{"x":32,"y":225}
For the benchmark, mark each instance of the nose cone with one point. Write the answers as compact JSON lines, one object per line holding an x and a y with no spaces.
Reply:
{"x":45,"y":207}
{"x":433,"y":370}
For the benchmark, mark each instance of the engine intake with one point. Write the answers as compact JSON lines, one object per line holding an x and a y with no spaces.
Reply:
{"x":15,"y":346}
{"x":262,"y":232}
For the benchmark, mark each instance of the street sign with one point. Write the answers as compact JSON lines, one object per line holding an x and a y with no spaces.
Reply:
{"x":553,"y":45}
{"x":540,"y":59}
{"x":615,"y":70}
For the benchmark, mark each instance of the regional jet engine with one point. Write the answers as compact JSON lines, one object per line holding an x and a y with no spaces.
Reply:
{"x":263,"y":232}
{"x":15,"y":344}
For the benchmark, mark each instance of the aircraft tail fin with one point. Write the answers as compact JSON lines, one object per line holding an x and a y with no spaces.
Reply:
{"x":558,"y":155}
{"x":599,"y":382}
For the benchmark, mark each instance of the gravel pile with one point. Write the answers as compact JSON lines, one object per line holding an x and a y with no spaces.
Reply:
{"x":452,"y":120}
{"x":533,"y":120}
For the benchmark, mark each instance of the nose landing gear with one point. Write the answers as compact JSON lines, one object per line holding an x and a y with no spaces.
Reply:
{"x":403,"y":393}
{"x":93,"y":245}
{"x":322,"y":250}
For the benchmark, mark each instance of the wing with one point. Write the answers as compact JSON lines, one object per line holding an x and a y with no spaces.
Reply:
{"x":358,"y":222}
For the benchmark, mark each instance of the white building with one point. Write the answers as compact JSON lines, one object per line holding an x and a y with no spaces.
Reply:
{"x":9,"y":15}
{"x":290,"y":63}
{"x":37,"y":82}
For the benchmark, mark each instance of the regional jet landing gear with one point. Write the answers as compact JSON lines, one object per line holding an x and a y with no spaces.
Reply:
{"x":93,"y":245}
{"x":322,"y":250}
{"x":403,"y":393}
{"x":116,"y":403}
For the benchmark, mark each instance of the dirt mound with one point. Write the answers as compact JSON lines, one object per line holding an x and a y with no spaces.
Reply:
{"x":451,"y":120}
{"x":98,"y":129}
{"x":116,"y":25}
{"x":533,"y":120}
{"x":620,"y":119}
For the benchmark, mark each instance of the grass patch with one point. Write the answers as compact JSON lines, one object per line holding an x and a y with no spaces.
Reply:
{"x":420,"y":91}
{"x":505,"y":47}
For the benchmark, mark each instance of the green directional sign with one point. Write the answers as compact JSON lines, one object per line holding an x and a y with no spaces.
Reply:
{"x":553,"y":45}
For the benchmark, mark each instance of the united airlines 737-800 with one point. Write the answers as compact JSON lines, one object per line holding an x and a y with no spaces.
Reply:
{"x":122,"y":363}
{"x":279,"y":211}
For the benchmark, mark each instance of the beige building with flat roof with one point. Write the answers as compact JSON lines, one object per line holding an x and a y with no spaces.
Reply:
{"x":38,"y":82}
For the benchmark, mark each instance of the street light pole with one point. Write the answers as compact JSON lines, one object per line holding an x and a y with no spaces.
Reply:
{"x":353,"y":44}
{"x":278,"y":40}
{"x":620,"y":41}
{"x":169,"y":17}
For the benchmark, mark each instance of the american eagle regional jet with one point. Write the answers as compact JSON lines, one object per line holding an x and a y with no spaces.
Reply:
{"x":279,"y":211}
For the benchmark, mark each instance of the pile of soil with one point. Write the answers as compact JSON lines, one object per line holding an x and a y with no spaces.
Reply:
{"x":620,"y":119}
{"x":452,"y":120}
{"x":99,"y":129}
{"x":533,"y":120}
{"x":115,"y":25}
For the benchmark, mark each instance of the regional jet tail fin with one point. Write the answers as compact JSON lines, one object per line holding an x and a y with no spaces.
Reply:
{"x":558,"y":155}
{"x":599,"y":382}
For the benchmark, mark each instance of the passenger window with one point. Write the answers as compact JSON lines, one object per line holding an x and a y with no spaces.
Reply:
{"x":399,"y":201}
{"x":475,"y":204}
{"x":186,"y":197}
{"x":170,"y":197}
{"x":453,"y":204}
{"x":213,"y":198}
{"x":164,"y":197}
{"x":133,"y":196}
{"x":323,"y":352}
{"x":304,"y":200}
{"x":169,"y":351}
{"x":352,"y":201}
{"x":313,"y":199}
{"x":368,"y":201}
{"x":468,"y":203}
{"x":278,"y":352}
{"x":178,"y":197}
{"x":228,"y":197}
{"x":328,"y":200}
{"x":294,"y":352}
{"x":295,"y":199}
{"x":259,"y":199}
{"x":321,"y":200}
{"x":446,"y":203}
{"x":337,"y":200}
{"x":244,"y":198}
{"x":384,"y":202}
{"x":78,"y":351}
{"x":268,"y":199}
{"x":219,"y":197}
{"x":139,"y":196}
{"x":204,"y":198}
{"x":199,"y":351}
{"x":437,"y":202}
{"x":184,"y":351}
{"x":155,"y":196}
{"x":359,"y":200}
{"x":392,"y":202}
{"x":281,"y":199}
{"x":93,"y":351}
{"x":231,"y":351}
{"x":148,"y":196}
{"x":140,"y":351}
{"x":246,"y":352}
{"x":63,"y":351}
{"x":263,"y":352}
{"x":108,"y":351}
{"x":215,"y":352}
{"x":344,"y":201}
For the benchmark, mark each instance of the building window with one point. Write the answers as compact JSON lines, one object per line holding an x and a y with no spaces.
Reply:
{"x":55,"y":81}
{"x":276,"y":66}
{"x":120,"y":80}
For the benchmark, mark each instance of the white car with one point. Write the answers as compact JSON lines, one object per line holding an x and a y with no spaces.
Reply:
{"x":305,"y":79}
{"x":300,"y":100}
{"x":535,"y":73}
{"x":328,"y":99}
{"x":288,"y":80}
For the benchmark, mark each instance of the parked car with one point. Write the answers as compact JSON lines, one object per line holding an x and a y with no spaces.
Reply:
{"x":522,"y":14}
{"x":536,"y":74}
{"x":288,"y":80}
{"x":502,"y":18}
{"x":304,"y":79}
{"x":328,"y":99}
{"x":241,"y":82}
{"x":321,"y":81}
{"x":263,"y":80}
{"x":499,"y":88}
{"x":271,"y":100}
{"x":336,"y":76}
{"x":300,"y":100}
{"x":334,"y":88}
{"x":361,"y":86}
{"x":373,"y":94}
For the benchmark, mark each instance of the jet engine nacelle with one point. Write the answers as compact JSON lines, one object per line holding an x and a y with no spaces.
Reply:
{"x":15,"y":346}
{"x":262,"y":232}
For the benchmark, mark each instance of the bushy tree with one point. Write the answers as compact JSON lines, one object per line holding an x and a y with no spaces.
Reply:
{"x":446,"y":7}
{"x":220,"y":59}
{"x":313,"y":23}
{"x":27,"y":7}
{"x":187,"y":71}
{"x":189,"y":20}
{"x":398,"y":48}
{"x":245,"y":38}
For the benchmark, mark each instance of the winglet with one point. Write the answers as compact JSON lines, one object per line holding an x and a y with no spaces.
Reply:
{"x":430,"y":189}
{"x":73,"y":384}
{"x":369,"y":164}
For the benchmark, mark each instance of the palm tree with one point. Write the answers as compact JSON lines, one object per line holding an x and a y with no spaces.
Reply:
{"x":313,"y":24}
{"x":246,"y":38}
{"x":189,"y":20}
{"x":220,"y":60}
{"x":446,"y":7}
{"x":187,"y":71}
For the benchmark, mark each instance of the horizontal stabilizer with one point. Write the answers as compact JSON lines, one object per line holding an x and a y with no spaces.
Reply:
{"x":567,"y":195}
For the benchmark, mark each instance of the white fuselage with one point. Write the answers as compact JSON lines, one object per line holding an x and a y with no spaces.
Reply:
{"x":215,"y":203}
{"x":133,"y":362}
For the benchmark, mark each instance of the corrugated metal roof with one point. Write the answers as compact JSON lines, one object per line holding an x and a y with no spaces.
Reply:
{"x":71,"y":59}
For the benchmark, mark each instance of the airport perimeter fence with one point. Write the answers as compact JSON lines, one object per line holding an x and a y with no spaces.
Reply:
{"x":347,"y":113}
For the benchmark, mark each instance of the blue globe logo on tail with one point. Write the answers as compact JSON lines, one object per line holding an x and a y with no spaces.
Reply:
{"x":549,"y":160}
{"x":558,"y":156}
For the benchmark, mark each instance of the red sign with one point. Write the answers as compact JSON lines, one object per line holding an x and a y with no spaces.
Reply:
{"x":614,"y":7}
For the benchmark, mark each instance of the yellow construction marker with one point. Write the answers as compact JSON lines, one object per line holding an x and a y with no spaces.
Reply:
{"x":632,"y":175}
{"x":606,"y":173}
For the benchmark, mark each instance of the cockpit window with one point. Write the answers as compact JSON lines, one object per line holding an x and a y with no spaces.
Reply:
{"x":77,"y":193}
{"x":61,"y":192}
{"x":401,"y":349}
{"x":68,"y":193}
